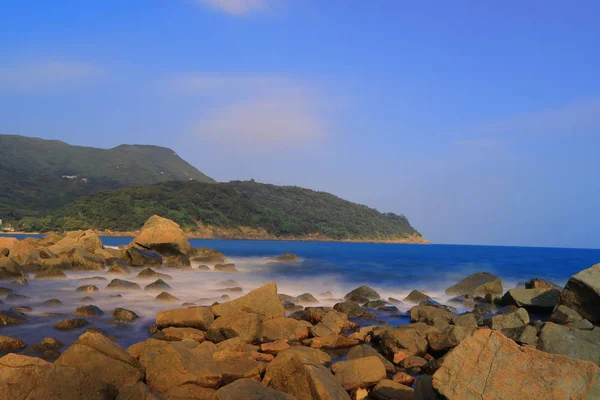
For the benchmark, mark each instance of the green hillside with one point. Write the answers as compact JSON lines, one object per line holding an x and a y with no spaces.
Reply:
{"x":280,"y":210}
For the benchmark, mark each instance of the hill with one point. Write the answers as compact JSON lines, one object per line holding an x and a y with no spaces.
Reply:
{"x":38,"y":176}
{"x":246,"y":208}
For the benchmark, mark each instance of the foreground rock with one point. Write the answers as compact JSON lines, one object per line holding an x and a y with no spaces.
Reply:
{"x":9,"y":344}
{"x":490,"y":366}
{"x":359,"y":373}
{"x":263,"y":301}
{"x":163,"y":236}
{"x":582,"y":294}
{"x":558,"y":339}
{"x":480,"y":283}
{"x":249,"y":389}
{"x":537,"y":300}
{"x":29,"y":378}
{"x":191,"y":317}
{"x":246,"y":326}
{"x":96,"y":355}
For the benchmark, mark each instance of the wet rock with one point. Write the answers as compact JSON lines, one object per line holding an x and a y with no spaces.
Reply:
{"x":432,"y":316}
{"x":86,"y":299}
{"x":123,"y":285}
{"x":52,"y":302}
{"x":118,"y":270}
{"x":167,"y":297}
{"x":51,"y":274}
{"x":191,"y":317}
{"x":24,"y":378}
{"x":275,"y":347}
{"x":163,"y":236}
{"x":263,"y":301}
{"x":284,"y":328}
{"x":314,"y":315}
{"x":249,"y":389}
{"x":387,"y":389}
{"x":70,"y":324}
{"x":362,"y":372}
{"x":375,"y":304}
{"x":124,"y":315}
{"x":362,"y":294}
{"x":231,"y":289}
{"x":446,"y":340}
{"x":406,"y":340}
{"x":511,"y":320}
{"x":331,"y":324}
{"x":285,"y":258}
{"x":20,"y":281}
{"x":5,"y":291}
{"x":86,"y":240}
{"x":307,"y":298}
{"x":350,"y":308}
{"x":22,"y":309}
{"x":395,"y":301}
{"x":204,"y":255}
{"x":159,"y":284}
{"x":285,"y":297}
{"x":225,"y":297}
{"x":247,"y":326}
{"x":203,"y":268}
{"x":179,"y":334}
{"x":403,"y":378}
{"x":172,"y":364}
{"x":89,"y":311}
{"x":142,"y":258}
{"x":477,"y":369}
{"x":96,"y":355}
{"x":9,"y":344}
{"x":178,"y":261}
{"x":536,"y":300}
{"x":237,"y":365}
{"x":558,"y":339}
{"x":150,"y":274}
{"x":225,"y":268}
{"x":93,"y":278}
{"x":10,"y":269}
{"x":303,"y":378}
{"x":526,"y":334}
{"x":363,"y":350}
{"x":87,"y":289}
{"x":14,"y":297}
{"x":416,"y":297}
{"x":480,"y":283}
{"x":540,"y":284}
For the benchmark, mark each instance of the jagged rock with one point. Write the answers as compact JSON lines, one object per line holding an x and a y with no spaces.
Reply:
{"x":303,"y":377}
{"x":249,"y":389}
{"x":9,"y":344}
{"x":159,"y":284}
{"x":537,"y":300}
{"x":362,"y":294}
{"x":362,"y":372}
{"x":87,"y":240}
{"x":247,"y":326}
{"x":558,"y":339}
{"x":237,"y":365}
{"x":363,"y":350}
{"x":28,"y":378}
{"x":405,"y":340}
{"x":446,"y":340}
{"x":416,"y":297}
{"x":141,"y":258}
{"x":51,"y":274}
{"x":10,"y":269}
{"x":477,"y":369}
{"x":263,"y":301}
{"x":124,"y":315}
{"x":540,"y":284}
{"x":331,"y":324}
{"x":97,"y":355}
{"x":582,"y":294}
{"x":351,"y":308}
{"x":225,"y":268}
{"x":389,"y":390}
{"x":480,"y":283}
{"x":307,"y":298}
{"x":564,"y":315}
{"x":163,"y":236}
{"x":179,"y":334}
{"x":284,"y":328}
{"x":150,"y":274}
{"x":70,"y":324}
{"x":511,"y":320}
{"x":191,"y":317}
{"x":275,"y":347}
{"x":166,"y":297}
{"x":526,"y":334}
{"x":89,"y":311}
{"x":11,"y":318}
{"x":123,"y":285}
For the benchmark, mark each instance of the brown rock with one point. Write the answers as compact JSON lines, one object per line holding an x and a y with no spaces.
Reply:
{"x":150,"y":274}
{"x":477,"y":368}
{"x":189,"y":392}
{"x":51,"y":274}
{"x":236,"y":365}
{"x":166,"y":297}
{"x":408,"y":341}
{"x":389,"y":390}
{"x":284,"y":328}
{"x":363,"y":350}
{"x":306,"y":353}
{"x":178,"y":334}
{"x":247,"y":326}
{"x":87,"y":289}
{"x":361,"y":372}
{"x":9,"y":344}
{"x":403,"y":378}
{"x":191,"y":317}
{"x":70,"y":324}
{"x":263,"y":301}
{"x":139,"y":391}
{"x":274,"y":347}
{"x":163,"y":236}
{"x":249,"y":389}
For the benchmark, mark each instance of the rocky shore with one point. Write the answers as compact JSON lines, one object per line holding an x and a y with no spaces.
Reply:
{"x":537,"y":340}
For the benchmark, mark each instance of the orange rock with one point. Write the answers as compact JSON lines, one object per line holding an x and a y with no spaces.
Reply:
{"x":274,"y":347}
{"x":401,"y":355}
{"x":488,"y":365}
{"x":403,"y":378}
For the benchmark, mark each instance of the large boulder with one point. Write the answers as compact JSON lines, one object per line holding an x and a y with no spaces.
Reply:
{"x":25,"y":253}
{"x":249,"y":389}
{"x":139,"y":391}
{"x":303,"y":377}
{"x":416,"y":297}
{"x":172,"y":364}
{"x":362,"y":295}
{"x":9,"y":269}
{"x":490,"y":366}
{"x":263,"y":301}
{"x":387,"y":389}
{"x":558,"y":339}
{"x":163,"y":236}
{"x":536,"y":300}
{"x":331,"y":324}
{"x":364,"y":350}
{"x":142,"y":258}
{"x":359,"y":373}
{"x":191,"y":317}
{"x":87,"y":240}
{"x":407,"y":341}
{"x":480,"y":283}
{"x":247,"y":326}
{"x":29,"y":378}
{"x":445,"y":340}
{"x":514,"y":319}
{"x":97,"y":355}
{"x":236,"y":365}
{"x":582,"y":294}
{"x":284,"y":328}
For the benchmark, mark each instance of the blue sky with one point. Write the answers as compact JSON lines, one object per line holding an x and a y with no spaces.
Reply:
{"x":480,"y":121}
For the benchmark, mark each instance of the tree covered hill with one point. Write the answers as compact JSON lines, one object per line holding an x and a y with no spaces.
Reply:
{"x":281,"y":211}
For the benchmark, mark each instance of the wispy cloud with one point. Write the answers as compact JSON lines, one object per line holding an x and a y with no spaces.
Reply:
{"x":46,"y":76}
{"x":237,"y":7}
{"x":256,"y":113}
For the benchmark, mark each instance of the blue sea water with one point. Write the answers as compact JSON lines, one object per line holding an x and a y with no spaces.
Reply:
{"x":392,"y":269}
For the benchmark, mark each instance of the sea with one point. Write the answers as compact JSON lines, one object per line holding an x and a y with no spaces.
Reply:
{"x":393,"y":270}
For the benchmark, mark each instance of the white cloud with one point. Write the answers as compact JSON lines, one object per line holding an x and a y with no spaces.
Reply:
{"x":45,"y":76}
{"x":256,"y":113}
{"x":237,"y":7}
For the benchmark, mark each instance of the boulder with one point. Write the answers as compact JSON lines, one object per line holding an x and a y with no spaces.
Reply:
{"x":526,"y":334}
{"x":284,"y":328}
{"x":275,"y":347}
{"x":97,"y":355}
{"x":51,"y":274}
{"x":558,"y":339}
{"x":387,"y":389}
{"x":87,"y":240}
{"x":564,"y":315}
{"x":178,"y":261}
{"x":582,"y":294}
{"x":87,"y":289}
{"x":536,"y":300}
{"x":191,"y":317}
{"x":159,"y":284}
{"x":189,"y":392}
{"x":307,"y":353}
{"x":362,"y":295}
{"x":249,"y":389}
{"x":236,"y":365}
{"x":172,"y":364}
{"x":480,"y":283}
{"x":285,"y":258}
{"x":8,"y":317}
{"x":23,"y":253}
{"x":166,"y":297}
{"x":350,"y":308}
{"x":122,"y":285}
{"x":359,"y":373}
{"x":536,"y":283}
{"x":139,"y":391}
{"x":82,"y":260}
{"x":204,"y":255}
{"x":118,"y":270}
{"x":488,"y":365}
{"x":511,"y":320}
{"x":179,"y":334}
{"x":28,"y":378}
{"x":408,"y":341}
{"x":46,"y":348}
{"x":7,"y":242}
{"x":331,"y":324}
{"x":416,"y":297}
{"x":306,"y":298}
{"x":9,"y":344}
{"x":247,"y":326}
{"x":448,"y":339}
{"x":142,"y":258}
{"x":124,"y":315}
{"x":150,"y":274}
{"x":10,"y":269}
{"x":70,"y":324}
{"x":303,"y":378}
{"x":163,"y":236}
{"x":364,"y":350}
{"x":263,"y":301}
{"x":88,"y":311}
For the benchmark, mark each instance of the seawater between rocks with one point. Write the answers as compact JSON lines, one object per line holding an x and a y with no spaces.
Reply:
{"x":392,"y":270}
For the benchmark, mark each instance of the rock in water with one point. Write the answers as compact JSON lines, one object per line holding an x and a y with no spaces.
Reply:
{"x":263,"y":301}
{"x":582,"y":294}
{"x":362,"y":294}
{"x":163,"y":236}
{"x":121,"y":284}
{"x":416,"y":297}
{"x":124,"y":315}
{"x":28,"y":378}
{"x":141,"y":258}
{"x":9,"y":344}
{"x":480,"y":283}
{"x":490,"y":366}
